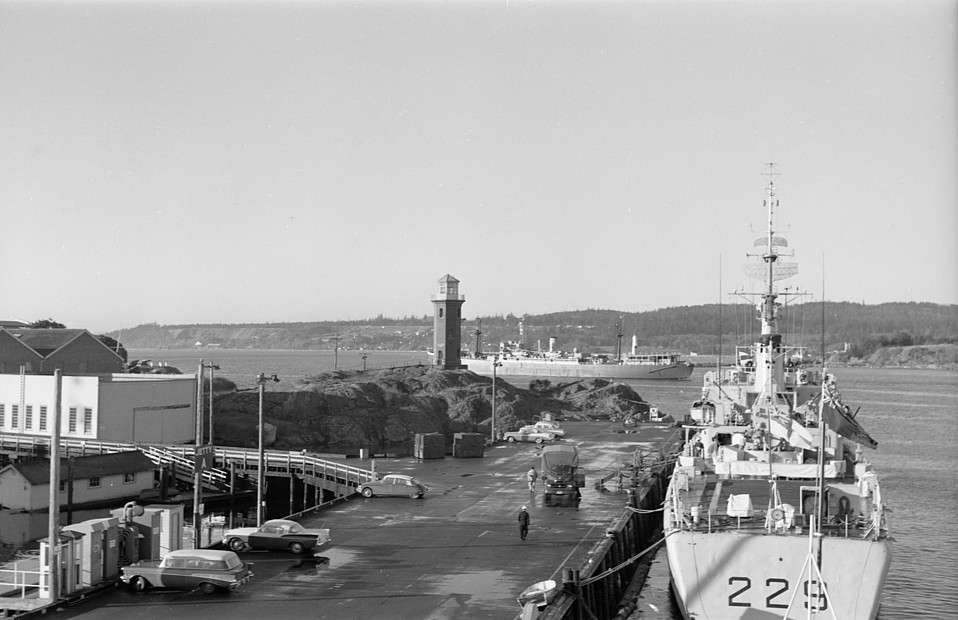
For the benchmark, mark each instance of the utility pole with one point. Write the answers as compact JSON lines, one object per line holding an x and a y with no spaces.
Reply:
{"x":197,"y":469}
{"x":212,"y":367}
{"x":53,"y":533}
{"x":261,"y":379}
{"x":495,"y":364}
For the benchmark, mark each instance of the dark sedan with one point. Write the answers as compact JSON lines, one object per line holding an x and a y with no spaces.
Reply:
{"x":276,"y":535}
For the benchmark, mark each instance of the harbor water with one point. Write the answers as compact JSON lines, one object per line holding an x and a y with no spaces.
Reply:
{"x":911,"y":413}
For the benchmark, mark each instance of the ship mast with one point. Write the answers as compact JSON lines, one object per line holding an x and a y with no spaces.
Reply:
{"x":478,"y":334}
{"x":769,"y":354}
{"x":618,"y":339}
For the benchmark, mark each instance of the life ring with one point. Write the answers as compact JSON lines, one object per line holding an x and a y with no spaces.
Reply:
{"x":778,"y":514}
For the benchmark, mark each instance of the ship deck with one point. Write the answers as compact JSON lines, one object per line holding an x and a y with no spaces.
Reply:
{"x":710,"y":493}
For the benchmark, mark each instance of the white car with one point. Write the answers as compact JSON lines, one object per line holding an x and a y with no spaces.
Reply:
{"x":527,"y":434}
{"x":546,"y":427}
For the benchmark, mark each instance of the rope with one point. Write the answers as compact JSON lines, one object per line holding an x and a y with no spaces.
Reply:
{"x":643,"y":511}
{"x":625,"y":563}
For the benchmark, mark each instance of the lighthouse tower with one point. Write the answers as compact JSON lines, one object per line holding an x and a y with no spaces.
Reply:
{"x":446,"y":322}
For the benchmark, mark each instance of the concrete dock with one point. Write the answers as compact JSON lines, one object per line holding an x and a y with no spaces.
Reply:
{"x":455,"y":554}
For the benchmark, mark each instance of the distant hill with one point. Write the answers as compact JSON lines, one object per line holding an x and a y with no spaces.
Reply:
{"x":855,"y":329}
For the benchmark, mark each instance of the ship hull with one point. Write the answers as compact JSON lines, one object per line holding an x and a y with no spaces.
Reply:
{"x":733,"y":576}
{"x":573,"y":370}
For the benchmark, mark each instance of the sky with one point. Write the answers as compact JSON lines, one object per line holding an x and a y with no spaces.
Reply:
{"x":252,"y":162}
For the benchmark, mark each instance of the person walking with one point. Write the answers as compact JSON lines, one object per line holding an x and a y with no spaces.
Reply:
{"x":532,"y":475}
{"x":523,"y":523}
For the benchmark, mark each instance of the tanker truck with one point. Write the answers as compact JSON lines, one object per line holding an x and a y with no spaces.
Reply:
{"x":560,"y":471}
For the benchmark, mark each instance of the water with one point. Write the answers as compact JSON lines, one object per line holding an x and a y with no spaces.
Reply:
{"x":912,"y":415}
{"x":291,"y":366}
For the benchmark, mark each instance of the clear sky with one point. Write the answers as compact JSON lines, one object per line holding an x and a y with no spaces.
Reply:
{"x":232,"y":162}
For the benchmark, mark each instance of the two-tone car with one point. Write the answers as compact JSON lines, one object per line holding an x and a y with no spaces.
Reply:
{"x":276,"y":535}
{"x":529,"y":434}
{"x":210,"y":570}
{"x":395,"y":485}
{"x":546,"y":427}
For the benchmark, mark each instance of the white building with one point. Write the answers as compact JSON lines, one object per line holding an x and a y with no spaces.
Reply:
{"x":97,"y":400}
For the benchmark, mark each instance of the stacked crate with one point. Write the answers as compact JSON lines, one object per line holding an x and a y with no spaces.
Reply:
{"x":468,"y":445}
{"x":430,"y":446}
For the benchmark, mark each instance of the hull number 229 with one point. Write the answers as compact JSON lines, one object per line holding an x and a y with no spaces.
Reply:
{"x":775,"y":592}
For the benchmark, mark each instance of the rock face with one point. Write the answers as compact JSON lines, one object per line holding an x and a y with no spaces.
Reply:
{"x":943,"y":356}
{"x":383,"y":410}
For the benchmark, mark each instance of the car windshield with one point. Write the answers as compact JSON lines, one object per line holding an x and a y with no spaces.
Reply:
{"x":232,"y":561}
{"x":296,"y":528}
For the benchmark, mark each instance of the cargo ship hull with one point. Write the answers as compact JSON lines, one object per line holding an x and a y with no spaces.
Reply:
{"x":572,"y":369}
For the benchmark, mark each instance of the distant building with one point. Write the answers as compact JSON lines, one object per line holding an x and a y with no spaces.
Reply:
{"x":97,"y":400}
{"x":447,"y":324}
{"x":25,"y":485}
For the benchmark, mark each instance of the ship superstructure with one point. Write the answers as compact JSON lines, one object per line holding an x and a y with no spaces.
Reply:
{"x":772,"y":510}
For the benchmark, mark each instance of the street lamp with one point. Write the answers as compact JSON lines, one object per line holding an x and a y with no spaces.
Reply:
{"x":261,"y":379}
{"x":211,"y":366}
{"x":495,"y":364}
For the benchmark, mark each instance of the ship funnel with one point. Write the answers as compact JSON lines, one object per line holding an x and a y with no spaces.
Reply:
{"x":552,"y":344}
{"x":635,"y":343}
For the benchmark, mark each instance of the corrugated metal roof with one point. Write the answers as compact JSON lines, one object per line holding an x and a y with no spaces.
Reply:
{"x":37,"y":471}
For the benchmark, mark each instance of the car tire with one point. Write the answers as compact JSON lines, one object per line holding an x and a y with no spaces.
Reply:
{"x":208,"y":588}
{"x":367,"y":492}
{"x":140,"y":584}
{"x":297,"y":547}
{"x":511,"y":439}
{"x":539,"y":439}
{"x":237,"y":545}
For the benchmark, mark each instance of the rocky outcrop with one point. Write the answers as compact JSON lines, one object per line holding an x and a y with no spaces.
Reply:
{"x":930,"y":356}
{"x":343,"y":411}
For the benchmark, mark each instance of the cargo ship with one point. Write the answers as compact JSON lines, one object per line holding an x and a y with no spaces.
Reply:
{"x":514,"y":361}
{"x":773,"y":511}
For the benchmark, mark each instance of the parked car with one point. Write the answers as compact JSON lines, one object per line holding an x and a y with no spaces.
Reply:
{"x":528,"y":434}
{"x":186,"y":569}
{"x":396,"y":485}
{"x":546,"y":427}
{"x":276,"y":535}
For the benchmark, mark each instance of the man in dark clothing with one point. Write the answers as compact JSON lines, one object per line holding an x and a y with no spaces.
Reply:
{"x":523,"y":523}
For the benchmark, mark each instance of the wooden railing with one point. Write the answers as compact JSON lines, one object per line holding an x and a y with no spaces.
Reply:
{"x":181,"y":459}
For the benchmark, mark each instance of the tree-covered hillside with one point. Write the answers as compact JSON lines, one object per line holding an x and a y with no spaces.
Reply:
{"x":863,"y":328}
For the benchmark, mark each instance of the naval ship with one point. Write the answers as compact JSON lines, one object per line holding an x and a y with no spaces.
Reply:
{"x":772,"y":510}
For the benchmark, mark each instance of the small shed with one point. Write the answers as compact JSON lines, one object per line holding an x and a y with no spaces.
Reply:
{"x":97,"y":479}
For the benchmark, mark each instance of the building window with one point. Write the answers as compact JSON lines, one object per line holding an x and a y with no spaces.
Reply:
{"x":43,"y":417}
{"x":129,"y":477}
{"x":440,"y":313}
{"x":28,"y":416}
{"x":3,"y":416}
{"x":63,"y":486}
{"x":73,"y":420}
{"x":87,"y":421}
{"x":94,"y":482}
{"x":15,"y":416}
